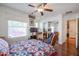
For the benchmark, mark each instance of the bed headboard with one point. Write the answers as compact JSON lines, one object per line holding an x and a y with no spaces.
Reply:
{"x":2,"y":37}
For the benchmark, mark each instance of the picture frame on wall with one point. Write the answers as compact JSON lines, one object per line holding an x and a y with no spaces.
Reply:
{"x":31,"y":23}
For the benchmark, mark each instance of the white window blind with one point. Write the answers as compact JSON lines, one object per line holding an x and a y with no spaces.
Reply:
{"x":16,"y":29}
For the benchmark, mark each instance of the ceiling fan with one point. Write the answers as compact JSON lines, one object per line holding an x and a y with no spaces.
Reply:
{"x":40,"y":8}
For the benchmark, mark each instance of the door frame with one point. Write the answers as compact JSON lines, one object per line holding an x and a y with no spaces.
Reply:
{"x":76,"y":41}
{"x":77,"y":32}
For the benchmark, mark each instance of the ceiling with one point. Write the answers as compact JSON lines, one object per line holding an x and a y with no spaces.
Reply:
{"x":58,"y":8}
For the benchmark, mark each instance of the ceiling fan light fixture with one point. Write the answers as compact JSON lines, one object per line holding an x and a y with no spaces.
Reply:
{"x":40,"y":10}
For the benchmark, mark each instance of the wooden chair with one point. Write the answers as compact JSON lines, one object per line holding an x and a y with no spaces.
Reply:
{"x":54,"y":38}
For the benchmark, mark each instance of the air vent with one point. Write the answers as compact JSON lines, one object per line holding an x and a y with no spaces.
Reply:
{"x":68,"y":12}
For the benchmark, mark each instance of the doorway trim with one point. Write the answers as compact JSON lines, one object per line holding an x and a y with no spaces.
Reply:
{"x":77,"y":33}
{"x":76,"y":41}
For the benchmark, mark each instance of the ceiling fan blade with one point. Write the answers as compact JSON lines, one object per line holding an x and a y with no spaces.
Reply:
{"x":31,"y":5}
{"x":50,"y":10}
{"x":44,"y":4}
{"x":42,"y":13}
{"x":39,"y":5}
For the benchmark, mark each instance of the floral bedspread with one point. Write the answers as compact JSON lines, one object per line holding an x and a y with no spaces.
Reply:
{"x":31,"y":48}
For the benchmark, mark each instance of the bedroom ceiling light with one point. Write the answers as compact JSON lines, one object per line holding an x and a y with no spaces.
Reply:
{"x":40,"y":9}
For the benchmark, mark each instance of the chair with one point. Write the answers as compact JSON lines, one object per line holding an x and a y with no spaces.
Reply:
{"x":49,"y":38}
{"x":54,"y":38}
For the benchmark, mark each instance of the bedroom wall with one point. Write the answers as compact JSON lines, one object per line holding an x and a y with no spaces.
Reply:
{"x":71,"y":16}
{"x":6,"y":14}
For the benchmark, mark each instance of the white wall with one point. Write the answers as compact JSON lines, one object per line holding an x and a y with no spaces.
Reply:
{"x":71,"y":16}
{"x":60,"y":29}
{"x":10,"y":14}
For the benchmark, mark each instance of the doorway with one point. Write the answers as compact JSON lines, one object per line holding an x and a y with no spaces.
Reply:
{"x":71,"y":32}
{"x":70,"y":37}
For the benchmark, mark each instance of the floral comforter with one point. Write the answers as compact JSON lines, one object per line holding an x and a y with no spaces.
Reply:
{"x":31,"y":48}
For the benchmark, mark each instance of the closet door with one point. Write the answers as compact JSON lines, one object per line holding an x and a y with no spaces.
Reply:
{"x":71,"y":37}
{"x":72,"y":32}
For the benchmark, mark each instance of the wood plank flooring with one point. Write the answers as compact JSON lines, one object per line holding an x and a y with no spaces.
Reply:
{"x":66,"y":50}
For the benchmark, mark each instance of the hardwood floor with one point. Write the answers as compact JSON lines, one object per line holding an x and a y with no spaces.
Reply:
{"x":66,"y":50}
{"x":69,"y":50}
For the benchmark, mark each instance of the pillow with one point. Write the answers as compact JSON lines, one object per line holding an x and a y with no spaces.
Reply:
{"x":4,"y":47}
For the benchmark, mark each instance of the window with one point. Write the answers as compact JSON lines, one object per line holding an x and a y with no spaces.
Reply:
{"x":52,"y":29}
{"x":36,"y":24}
{"x":16,"y":29}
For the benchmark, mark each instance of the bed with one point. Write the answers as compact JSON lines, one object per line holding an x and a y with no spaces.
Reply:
{"x":30,"y":47}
